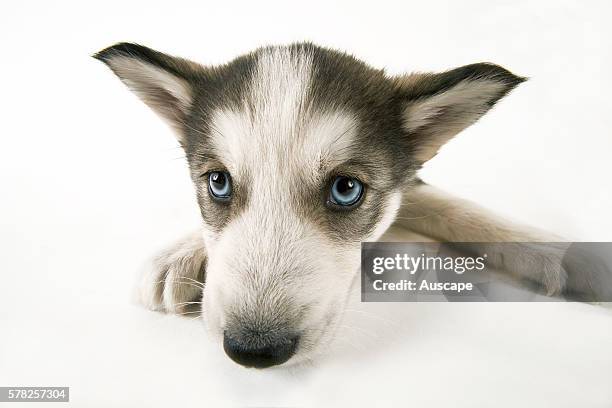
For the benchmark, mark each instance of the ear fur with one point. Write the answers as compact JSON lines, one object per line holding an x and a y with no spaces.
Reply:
{"x":163,"y":82}
{"x":438,"y":106}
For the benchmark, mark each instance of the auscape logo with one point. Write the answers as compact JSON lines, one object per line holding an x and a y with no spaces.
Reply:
{"x":424,"y":286}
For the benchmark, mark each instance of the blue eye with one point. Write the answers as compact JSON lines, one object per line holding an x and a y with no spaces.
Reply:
{"x":346,"y":191}
{"x":220,"y":185}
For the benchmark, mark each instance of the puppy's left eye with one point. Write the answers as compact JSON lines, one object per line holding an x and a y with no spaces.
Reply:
{"x":345,"y":192}
{"x":220,"y":185}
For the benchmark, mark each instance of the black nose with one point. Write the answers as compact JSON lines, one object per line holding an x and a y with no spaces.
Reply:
{"x":266,"y":354}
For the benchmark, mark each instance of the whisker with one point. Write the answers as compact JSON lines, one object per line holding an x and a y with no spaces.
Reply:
{"x":198,"y":312}
{"x":187,"y":303}
{"x":180,"y":283}
{"x":193,"y":280}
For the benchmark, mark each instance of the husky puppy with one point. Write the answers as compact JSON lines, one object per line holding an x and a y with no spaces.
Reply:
{"x":298,"y":154}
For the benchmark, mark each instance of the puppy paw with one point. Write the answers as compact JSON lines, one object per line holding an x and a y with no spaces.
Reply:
{"x":573,"y":271}
{"x":173,"y":280}
{"x":541,"y":266}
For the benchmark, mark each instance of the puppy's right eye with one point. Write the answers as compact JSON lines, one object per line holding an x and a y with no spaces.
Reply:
{"x":220,"y":185}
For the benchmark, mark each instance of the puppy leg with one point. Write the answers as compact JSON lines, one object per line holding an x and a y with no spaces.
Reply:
{"x":173,"y":283}
{"x":429,"y":211}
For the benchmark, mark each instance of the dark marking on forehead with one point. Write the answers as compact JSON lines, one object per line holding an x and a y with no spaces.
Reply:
{"x":226,"y":87}
{"x":342,"y":82}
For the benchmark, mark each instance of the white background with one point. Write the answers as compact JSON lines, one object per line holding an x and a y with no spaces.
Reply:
{"x":92,"y":183}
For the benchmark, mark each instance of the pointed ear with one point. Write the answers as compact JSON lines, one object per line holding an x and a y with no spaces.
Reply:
{"x":163,"y":82}
{"x":438,"y":106}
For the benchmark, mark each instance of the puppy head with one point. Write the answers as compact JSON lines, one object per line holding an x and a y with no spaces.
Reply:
{"x":298,"y":154}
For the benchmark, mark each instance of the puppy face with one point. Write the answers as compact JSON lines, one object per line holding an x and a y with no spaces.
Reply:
{"x":298,"y":154}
